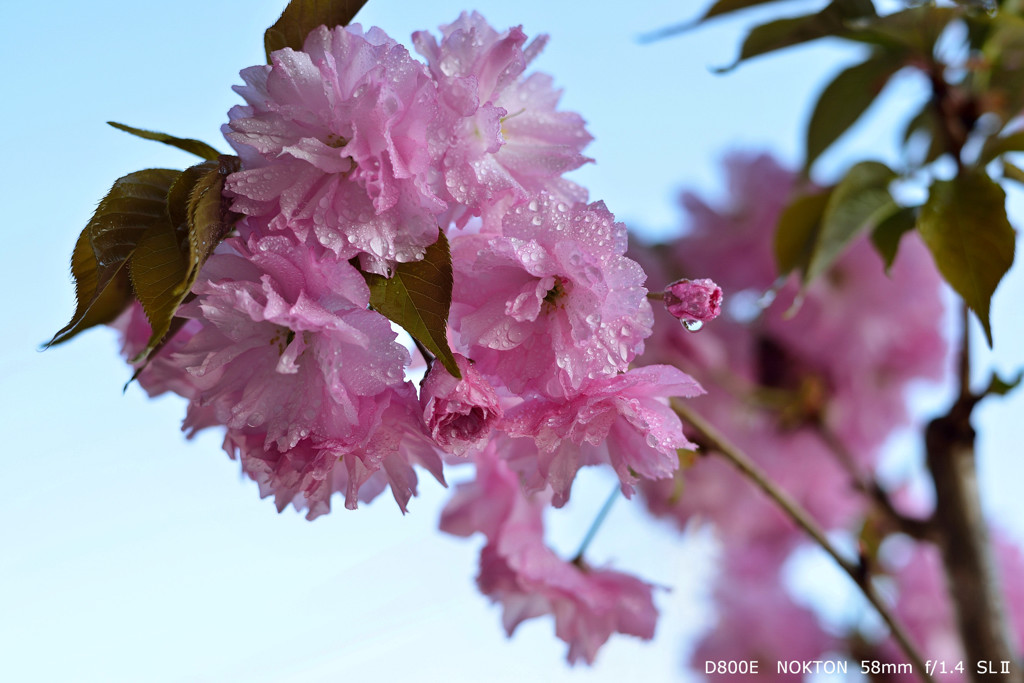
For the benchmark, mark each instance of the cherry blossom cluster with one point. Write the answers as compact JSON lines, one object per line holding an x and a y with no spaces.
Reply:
{"x":357,"y":157}
{"x":810,"y":385}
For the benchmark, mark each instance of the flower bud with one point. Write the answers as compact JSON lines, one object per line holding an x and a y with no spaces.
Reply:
{"x":694,"y":302}
{"x":459,"y":413}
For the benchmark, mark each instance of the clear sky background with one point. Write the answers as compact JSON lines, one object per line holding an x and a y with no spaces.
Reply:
{"x":127,"y":553}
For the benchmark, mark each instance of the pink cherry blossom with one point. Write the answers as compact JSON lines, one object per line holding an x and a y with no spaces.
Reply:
{"x":623,"y":420}
{"x":757,"y":620}
{"x":922,"y":600}
{"x":460,"y":413}
{"x":334,"y":146}
{"x":308,"y":473}
{"x":551,"y":300}
{"x":500,"y":132}
{"x":159,"y":372}
{"x":519,"y":571}
{"x":287,"y":347}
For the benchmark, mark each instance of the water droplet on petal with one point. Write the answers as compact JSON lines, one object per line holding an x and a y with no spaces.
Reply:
{"x":692,"y":325}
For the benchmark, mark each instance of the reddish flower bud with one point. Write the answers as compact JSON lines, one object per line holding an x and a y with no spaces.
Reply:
{"x":694,"y":302}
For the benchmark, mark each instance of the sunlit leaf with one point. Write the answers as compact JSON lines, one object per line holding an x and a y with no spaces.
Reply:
{"x":845,"y":99}
{"x":797,"y":231}
{"x":858,"y":203}
{"x":964,"y":225}
{"x":302,"y":16}
{"x":200,"y":149}
{"x":134,"y":204}
{"x":833,"y":20}
{"x":887,"y":234}
{"x":417,"y":297}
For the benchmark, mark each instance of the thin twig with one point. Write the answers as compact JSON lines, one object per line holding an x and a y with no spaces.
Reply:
{"x":920,"y":529}
{"x":855,"y":569}
{"x":592,"y":531}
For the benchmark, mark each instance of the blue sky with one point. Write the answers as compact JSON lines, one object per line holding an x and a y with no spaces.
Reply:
{"x":131,"y":554}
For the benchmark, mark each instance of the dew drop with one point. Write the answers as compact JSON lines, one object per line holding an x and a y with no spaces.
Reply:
{"x":692,"y":325}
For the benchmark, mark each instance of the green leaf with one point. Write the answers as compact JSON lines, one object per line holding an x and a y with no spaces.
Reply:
{"x":964,"y":225}
{"x":887,"y":234}
{"x":726,"y":6}
{"x":302,"y":16}
{"x":997,"y":386}
{"x":200,"y":149}
{"x":926,"y":124}
{"x":997,"y":146}
{"x":915,"y":29}
{"x":168,"y":259}
{"x":797,"y":231}
{"x":1012,"y":171}
{"x":857,"y":204}
{"x":833,"y":20}
{"x":1000,"y":78}
{"x":417,"y":297}
{"x":134,"y":204}
{"x":845,"y":99}
{"x":717,"y":9}
{"x":159,"y":270}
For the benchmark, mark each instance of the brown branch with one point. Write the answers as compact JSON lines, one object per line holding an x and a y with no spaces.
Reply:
{"x":963,"y":533}
{"x":920,"y":529}
{"x":855,"y":569}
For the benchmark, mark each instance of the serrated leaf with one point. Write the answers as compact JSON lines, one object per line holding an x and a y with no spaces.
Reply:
{"x":797,"y":231}
{"x":197,"y":147}
{"x":845,"y":99}
{"x":167,"y":262}
{"x":181,"y":190}
{"x":857,"y":204}
{"x":159,"y":270}
{"x":209,"y":219}
{"x":417,"y":297}
{"x":135,"y":203}
{"x":964,"y":225}
{"x":833,"y":20}
{"x":887,"y":234}
{"x":302,"y":16}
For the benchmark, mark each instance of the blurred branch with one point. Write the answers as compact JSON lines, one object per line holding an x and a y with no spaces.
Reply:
{"x":962,"y":532}
{"x":855,"y":569}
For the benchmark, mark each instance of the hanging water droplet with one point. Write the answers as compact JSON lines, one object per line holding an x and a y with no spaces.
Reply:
{"x":692,"y":325}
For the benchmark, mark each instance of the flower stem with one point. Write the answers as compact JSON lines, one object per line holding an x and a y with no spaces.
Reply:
{"x":598,"y":521}
{"x":855,"y":569}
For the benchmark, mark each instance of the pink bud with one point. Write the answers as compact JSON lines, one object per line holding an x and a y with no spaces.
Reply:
{"x":459,"y":413}
{"x":694,"y":302}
